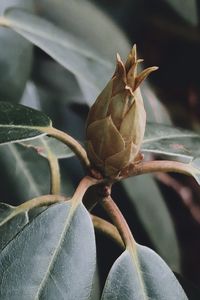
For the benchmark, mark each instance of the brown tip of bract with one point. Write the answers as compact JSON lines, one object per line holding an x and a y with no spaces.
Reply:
{"x":140,"y":60}
{"x":134,"y":51}
{"x":119,"y":64}
{"x":118,"y":58}
{"x":132,"y":58}
{"x":120,"y":69}
{"x":155,"y":68}
{"x":143,"y":75}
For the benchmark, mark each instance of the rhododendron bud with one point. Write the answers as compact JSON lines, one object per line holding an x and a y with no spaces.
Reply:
{"x":116,"y":121}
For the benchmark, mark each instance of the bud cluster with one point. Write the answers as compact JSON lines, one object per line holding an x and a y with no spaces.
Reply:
{"x":116,"y":121}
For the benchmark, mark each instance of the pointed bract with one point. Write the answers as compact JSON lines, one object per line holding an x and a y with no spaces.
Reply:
{"x":116,"y":121}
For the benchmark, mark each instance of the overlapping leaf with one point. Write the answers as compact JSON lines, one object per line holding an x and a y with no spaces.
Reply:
{"x":52,"y":253}
{"x":40,"y":145}
{"x":177,"y":143}
{"x":23,"y":170}
{"x":72,"y":53}
{"x":9,"y":228}
{"x":38,"y":249}
{"x":96,"y":30}
{"x":152,"y":280}
{"x":187,"y":9}
{"x":19,"y":122}
{"x":155,"y":110}
{"x":91,"y":71}
{"x":154,"y":216}
{"x":15,"y":56}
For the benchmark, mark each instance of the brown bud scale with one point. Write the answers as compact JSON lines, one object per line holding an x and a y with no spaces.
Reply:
{"x":116,"y":121}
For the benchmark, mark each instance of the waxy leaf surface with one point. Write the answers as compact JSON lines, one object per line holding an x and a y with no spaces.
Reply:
{"x":9,"y":227}
{"x":154,"y":216}
{"x":52,"y":253}
{"x":18,"y":122}
{"x":15,"y":56}
{"x":158,"y":281}
{"x":41,"y":144}
{"x":23,"y":170}
{"x":66,"y":49}
{"x":169,"y":141}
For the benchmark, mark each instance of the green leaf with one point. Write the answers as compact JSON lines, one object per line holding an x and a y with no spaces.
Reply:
{"x":96,"y":30}
{"x":27,"y":173}
{"x":69,"y":50}
{"x":169,"y":141}
{"x":63,"y":87}
{"x":52,"y":254}
{"x":30,"y":96}
{"x":195,"y":169}
{"x":15,"y":56}
{"x":187,"y":9}
{"x":14,"y":218}
{"x":73,"y":54}
{"x":91,"y":71}
{"x":158,"y":281}
{"x":23,"y":170}
{"x":58,"y":149}
{"x":10,"y":228}
{"x":19,"y":122}
{"x":155,"y":110}
{"x":157,"y":222}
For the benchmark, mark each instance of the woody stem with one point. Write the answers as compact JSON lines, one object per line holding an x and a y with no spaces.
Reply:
{"x":118,"y":220}
{"x":162,"y":166}
{"x":70,"y":142}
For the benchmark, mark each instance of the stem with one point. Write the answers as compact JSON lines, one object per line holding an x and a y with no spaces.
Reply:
{"x":55,"y":173}
{"x":95,"y":194}
{"x":54,"y":169}
{"x":40,"y":201}
{"x":33,"y":203}
{"x":69,"y":141}
{"x":161,"y":166}
{"x":107,"y":229}
{"x":84,"y":184}
{"x":118,"y":219}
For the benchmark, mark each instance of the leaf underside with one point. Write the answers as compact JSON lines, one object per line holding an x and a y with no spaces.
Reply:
{"x":18,"y":122}
{"x":52,"y":253}
{"x":169,"y":141}
{"x":159,"y":283}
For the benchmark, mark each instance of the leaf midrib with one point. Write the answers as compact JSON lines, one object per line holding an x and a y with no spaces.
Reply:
{"x":168,"y":153}
{"x":57,"y":249}
{"x":173,"y":136}
{"x":33,"y":127}
{"x":71,"y":45}
{"x":28,"y":175}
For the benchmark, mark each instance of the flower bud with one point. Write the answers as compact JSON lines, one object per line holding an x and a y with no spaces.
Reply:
{"x":116,"y":121}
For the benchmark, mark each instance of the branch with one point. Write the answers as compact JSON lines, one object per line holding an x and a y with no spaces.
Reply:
{"x":69,"y":141}
{"x":54,"y":169}
{"x":33,"y":203}
{"x":107,"y":229}
{"x":161,"y":166}
{"x":55,"y":173}
{"x":83,"y":186}
{"x":118,"y":219}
